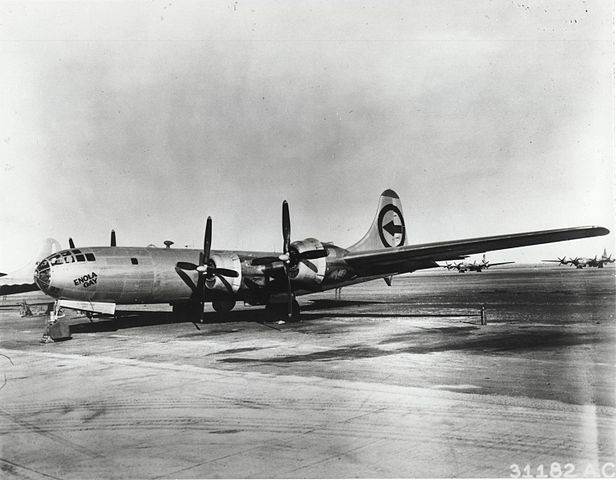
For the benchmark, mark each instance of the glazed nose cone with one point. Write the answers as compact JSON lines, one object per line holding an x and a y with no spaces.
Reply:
{"x":42,"y":275}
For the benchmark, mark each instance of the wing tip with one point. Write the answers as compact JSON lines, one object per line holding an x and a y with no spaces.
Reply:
{"x":598,"y":230}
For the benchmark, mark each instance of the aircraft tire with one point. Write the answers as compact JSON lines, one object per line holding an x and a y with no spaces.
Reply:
{"x":222,"y":306}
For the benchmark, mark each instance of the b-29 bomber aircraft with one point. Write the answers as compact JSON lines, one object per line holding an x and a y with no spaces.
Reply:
{"x":97,"y":279}
{"x":581,"y":262}
{"x":462,"y":267}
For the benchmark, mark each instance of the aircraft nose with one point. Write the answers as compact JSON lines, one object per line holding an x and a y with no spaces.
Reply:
{"x":42,"y":275}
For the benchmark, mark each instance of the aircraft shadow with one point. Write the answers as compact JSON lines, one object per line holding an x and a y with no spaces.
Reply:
{"x":152,"y":318}
{"x":133,"y":319}
{"x":321,"y":303}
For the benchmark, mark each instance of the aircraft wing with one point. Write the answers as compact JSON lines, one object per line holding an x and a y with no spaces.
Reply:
{"x":499,"y":263}
{"x":415,"y":257}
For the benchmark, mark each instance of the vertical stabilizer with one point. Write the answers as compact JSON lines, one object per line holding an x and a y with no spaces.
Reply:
{"x":388,"y":228}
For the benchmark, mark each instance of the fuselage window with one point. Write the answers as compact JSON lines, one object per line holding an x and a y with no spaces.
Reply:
{"x":80,"y":258}
{"x":134,"y":261}
{"x":90,"y":257}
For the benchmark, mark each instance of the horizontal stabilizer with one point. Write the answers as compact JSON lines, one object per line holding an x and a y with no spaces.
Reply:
{"x":11,"y":289}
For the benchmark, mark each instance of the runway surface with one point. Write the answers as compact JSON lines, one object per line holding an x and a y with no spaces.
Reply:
{"x":384,"y":382}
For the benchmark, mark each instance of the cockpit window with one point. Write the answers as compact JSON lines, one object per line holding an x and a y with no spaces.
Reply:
{"x":76,"y":251}
{"x":67,"y":257}
{"x":90,"y":257}
{"x":56,"y":260}
{"x":80,"y":258}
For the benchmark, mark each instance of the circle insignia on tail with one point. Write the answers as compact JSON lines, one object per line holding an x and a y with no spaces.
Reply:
{"x":391,"y":226}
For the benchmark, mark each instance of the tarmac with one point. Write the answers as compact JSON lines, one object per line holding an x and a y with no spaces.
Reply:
{"x":398,"y":381}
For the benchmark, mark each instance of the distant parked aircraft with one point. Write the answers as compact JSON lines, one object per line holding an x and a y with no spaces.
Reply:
{"x":581,"y":262}
{"x":473,"y":267}
{"x":560,"y":261}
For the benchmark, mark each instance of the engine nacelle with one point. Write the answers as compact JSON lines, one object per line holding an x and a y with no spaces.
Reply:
{"x":308,"y":273}
{"x":232,"y":262}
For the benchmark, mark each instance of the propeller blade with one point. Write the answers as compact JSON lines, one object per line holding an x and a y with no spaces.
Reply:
{"x":186,"y":266}
{"x":224,"y":272}
{"x":201,"y":288}
{"x":71,"y":244}
{"x":313,"y":254}
{"x":113,"y":238}
{"x":310,"y":265}
{"x":187,"y":280}
{"x":264,"y":260}
{"x":290,"y":292}
{"x":286,"y":227}
{"x":207,"y":241}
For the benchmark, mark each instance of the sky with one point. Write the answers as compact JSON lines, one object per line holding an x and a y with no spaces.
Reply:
{"x":486,"y":117}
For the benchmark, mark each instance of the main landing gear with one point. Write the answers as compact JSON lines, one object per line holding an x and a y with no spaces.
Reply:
{"x":193,"y":311}
{"x":279,"y":312}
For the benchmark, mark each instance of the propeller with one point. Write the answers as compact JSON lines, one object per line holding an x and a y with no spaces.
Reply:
{"x":206,"y":268}
{"x":290,"y":257}
{"x":286,"y":257}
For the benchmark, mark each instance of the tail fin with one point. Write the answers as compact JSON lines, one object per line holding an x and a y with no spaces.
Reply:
{"x":388,"y":228}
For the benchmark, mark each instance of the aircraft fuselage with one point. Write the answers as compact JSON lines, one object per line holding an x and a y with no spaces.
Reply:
{"x":135,"y":275}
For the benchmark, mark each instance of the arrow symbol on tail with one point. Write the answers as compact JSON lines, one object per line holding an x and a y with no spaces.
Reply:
{"x":392,"y":228}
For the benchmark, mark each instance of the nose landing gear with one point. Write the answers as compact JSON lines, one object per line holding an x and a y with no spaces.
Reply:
{"x":55,"y":330}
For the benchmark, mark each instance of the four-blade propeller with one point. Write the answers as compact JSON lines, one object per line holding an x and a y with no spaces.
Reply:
{"x":290,"y":257}
{"x":563,"y":261}
{"x":206,"y":268}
